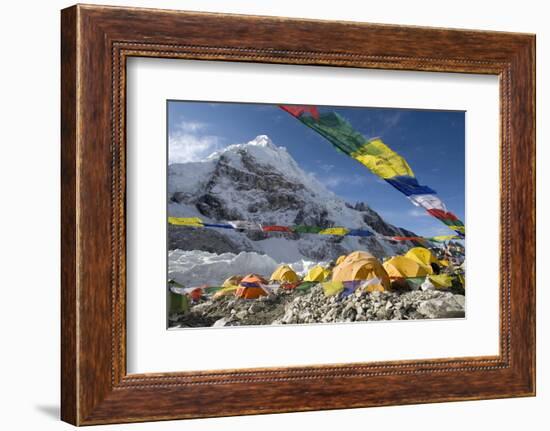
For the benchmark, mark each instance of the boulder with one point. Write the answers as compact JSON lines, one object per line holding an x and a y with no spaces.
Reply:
{"x":444,"y":307}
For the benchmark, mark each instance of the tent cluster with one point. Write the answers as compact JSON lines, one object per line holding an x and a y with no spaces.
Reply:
{"x":244,"y":225}
{"x":378,"y":158}
{"x":417,"y":262}
{"x":418,"y":268}
{"x":417,"y":265}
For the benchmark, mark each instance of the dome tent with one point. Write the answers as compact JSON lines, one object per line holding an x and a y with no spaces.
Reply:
{"x":234,"y":280}
{"x":404,"y":267}
{"x":317,"y":273}
{"x":229,"y":286}
{"x":361,"y":265}
{"x":340,"y":259}
{"x":424,"y":257}
{"x":358,"y":255}
{"x":284,"y":274}
{"x":250,"y":287}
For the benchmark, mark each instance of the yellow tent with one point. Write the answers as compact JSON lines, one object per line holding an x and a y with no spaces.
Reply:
{"x":229,"y":286}
{"x":375,"y":288}
{"x":317,"y":273}
{"x":358,"y":255}
{"x":340,"y":259}
{"x":234,"y":280}
{"x":285,"y":274}
{"x":361,"y":266}
{"x":404,"y":267}
{"x":423,"y":256}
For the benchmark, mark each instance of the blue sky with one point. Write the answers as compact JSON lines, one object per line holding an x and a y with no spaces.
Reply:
{"x":432,"y":142}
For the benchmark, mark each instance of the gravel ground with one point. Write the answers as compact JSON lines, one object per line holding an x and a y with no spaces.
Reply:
{"x":297,"y":307}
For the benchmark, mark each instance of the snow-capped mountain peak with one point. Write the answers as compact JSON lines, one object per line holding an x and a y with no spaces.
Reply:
{"x":262,"y":141}
{"x":262,"y":149}
{"x":260,"y":181}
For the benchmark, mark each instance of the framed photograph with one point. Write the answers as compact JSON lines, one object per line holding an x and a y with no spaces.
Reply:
{"x":288,"y":227}
{"x":267,"y":215}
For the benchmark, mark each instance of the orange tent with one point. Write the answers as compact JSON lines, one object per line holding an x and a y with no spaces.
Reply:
{"x":340,"y":259}
{"x":361,"y":265}
{"x":250,"y":287}
{"x":358,"y":255}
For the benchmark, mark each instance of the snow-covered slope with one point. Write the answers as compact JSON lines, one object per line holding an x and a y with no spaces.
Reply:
{"x":261,"y":182}
{"x":192,"y":268}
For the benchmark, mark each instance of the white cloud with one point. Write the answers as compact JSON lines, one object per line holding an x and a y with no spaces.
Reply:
{"x":443,"y":231}
{"x":191,"y":126}
{"x":187,"y":147}
{"x":388,"y":121}
{"x":325,"y":167}
{"x":331,"y":181}
{"x":392,"y":120}
{"x":418,"y":213}
{"x":189,"y":142}
{"x":334,"y":181}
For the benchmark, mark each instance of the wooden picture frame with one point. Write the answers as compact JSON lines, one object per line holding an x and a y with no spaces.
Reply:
{"x":95,"y":42}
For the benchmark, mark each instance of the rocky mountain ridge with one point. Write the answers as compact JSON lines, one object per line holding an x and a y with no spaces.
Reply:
{"x":259,"y":181}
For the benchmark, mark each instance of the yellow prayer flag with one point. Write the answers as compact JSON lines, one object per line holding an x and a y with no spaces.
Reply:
{"x":443,"y":237}
{"x":186,"y":221}
{"x":460,"y":229}
{"x":441,"y":280}
{"x":382,"y":160}
{"x":332,"y":288}
{"x":334,"y":231}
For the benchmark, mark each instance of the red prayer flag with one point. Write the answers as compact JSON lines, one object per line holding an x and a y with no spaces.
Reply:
{"x":444,"y":215}
{"x":297,"y":110}
{"x":276,"y":229}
